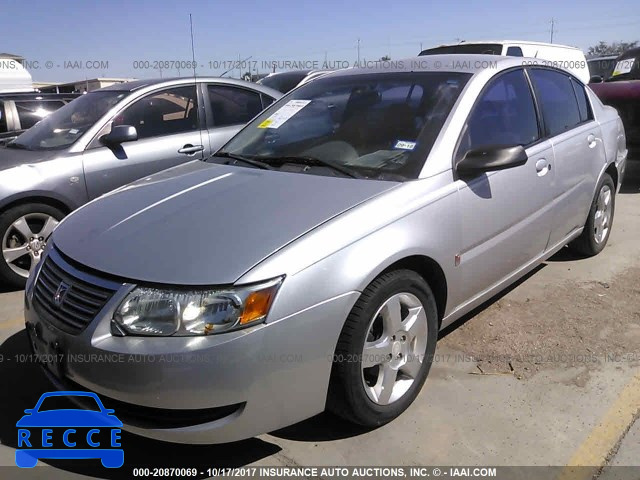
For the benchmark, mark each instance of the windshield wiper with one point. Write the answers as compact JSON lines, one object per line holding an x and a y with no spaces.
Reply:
{"x":240,"y":158}
{"x":312,"y":161}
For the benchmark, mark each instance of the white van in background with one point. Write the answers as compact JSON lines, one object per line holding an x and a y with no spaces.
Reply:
{"x":14,"y":77}
{"x":569,"y":58}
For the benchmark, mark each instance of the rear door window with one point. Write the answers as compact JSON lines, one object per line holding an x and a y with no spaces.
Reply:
{"x":557,"y":99}
{"x":233,"y":105}
{"x":583,"y":104}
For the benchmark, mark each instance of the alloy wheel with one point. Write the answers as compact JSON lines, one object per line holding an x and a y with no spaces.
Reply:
{"x":394,"y":348}
{"x":24,"y":241}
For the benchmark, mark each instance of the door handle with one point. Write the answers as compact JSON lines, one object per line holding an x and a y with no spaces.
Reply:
{"x":189,"y":149}
{"x":542,"y":167}
{"x":591,"y":140}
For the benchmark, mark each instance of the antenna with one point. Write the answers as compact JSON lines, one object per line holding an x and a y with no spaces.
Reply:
{"x":553,"y":23}
{"x":195,"y":84}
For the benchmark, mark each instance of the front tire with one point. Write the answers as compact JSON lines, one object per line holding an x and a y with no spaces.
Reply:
{"x":24,"y":232}
{"x":597,"y":229}
{"x":385,"y":350}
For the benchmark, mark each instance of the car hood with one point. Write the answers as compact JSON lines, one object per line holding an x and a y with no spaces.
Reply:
{"x":13,"y":157}
{"x":202,"y":223}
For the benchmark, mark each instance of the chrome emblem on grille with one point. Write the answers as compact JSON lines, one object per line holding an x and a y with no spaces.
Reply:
{"x":61,"y":292}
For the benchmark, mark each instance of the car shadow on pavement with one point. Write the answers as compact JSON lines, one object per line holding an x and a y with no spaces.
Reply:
{"x":324,"y":427}
{"x":465,"y":318}
{"x":23,"y":382}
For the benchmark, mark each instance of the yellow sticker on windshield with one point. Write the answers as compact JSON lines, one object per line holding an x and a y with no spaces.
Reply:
{"x":266,"y":123}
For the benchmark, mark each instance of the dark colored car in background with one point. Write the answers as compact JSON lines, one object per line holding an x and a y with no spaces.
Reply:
{"x":601,"y":68}
{"x":20,"y":111}
{"x":622,"y":91}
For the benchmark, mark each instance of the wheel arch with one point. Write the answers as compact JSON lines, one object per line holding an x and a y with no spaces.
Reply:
{"x":54,"y":202}
{"x":430,"y":270}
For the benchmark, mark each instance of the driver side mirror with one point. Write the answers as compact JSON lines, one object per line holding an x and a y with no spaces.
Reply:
{"x":596,"y":79}
{"x":490,"y":158}
{"x":119,"y":134}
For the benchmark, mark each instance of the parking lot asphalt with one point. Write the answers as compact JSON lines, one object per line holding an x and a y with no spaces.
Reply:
{"x":547,"y":373}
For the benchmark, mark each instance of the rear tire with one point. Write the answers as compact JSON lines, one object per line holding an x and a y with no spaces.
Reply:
{"x":597,"y":229}
{"x":385,"y":350}
{"x":24,"y":231}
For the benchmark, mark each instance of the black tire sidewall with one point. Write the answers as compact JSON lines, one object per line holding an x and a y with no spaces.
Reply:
{"x":8,"y":276}
{"x":594,"y":246}
{"x":363,"y":410}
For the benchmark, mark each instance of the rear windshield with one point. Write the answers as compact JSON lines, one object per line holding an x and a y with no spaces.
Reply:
{"x":482,"y":48}
{"x":627,"y":66}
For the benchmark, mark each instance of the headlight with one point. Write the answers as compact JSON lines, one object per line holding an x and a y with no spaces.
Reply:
{"x":155,"y":312}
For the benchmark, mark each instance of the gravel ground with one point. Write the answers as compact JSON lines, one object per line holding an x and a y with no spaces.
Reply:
{"x":574,"y":324}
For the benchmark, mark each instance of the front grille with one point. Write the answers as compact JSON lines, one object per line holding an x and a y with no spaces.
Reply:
{"x":79,"y":305}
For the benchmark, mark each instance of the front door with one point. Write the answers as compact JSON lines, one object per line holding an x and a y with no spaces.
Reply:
{"x":505,"y":216}
{"x":169,"y":133}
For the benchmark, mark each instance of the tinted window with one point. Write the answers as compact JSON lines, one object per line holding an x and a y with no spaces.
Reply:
{"x":486,"y":48}
{"x":504,"y":115}
{"x":31,"y":112}
{"x":3,"y":119}
{"x":167,"y":112}
{"x":601,"y":67}
{"x":232,"y":105}
{"x":514,"y":52}
{"x":583,"y":104}
{"x":267,"y":100}
{"x":557,"y":99}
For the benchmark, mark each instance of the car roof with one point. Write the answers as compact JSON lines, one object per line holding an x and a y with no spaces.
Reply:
{"x":138,"y":84}
{"x":502,"y":42}
{"x":451,"y":62}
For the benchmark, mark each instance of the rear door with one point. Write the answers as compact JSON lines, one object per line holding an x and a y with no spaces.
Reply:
{"x":505,"y":215}
{"x":169,"y":133}
{"x":577,"y":144}
{"x":229,"y":108}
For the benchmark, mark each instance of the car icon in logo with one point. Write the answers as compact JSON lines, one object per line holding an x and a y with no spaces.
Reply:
{"x":54,"y":430}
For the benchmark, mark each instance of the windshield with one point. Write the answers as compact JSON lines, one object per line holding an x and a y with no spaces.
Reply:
{"x":601,"y":67}
{"x":482,"y":48}
{"x":377,"y":126}
{"x":627,"y":66}
{"x":66,"y":125}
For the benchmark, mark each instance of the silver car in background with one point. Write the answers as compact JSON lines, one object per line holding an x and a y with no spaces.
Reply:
{"x":105,"y":139}
{"x":311,"y":262}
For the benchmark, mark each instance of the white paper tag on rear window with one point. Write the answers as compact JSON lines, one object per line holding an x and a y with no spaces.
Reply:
{"x":405,"y":145}
{"x":623,"y":66}
{"x":284,"y":113}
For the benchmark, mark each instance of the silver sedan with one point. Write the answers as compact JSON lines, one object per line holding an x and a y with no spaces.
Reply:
{"x":311,"y":262}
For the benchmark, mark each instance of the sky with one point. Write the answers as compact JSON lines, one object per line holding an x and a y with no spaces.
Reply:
{"x":69,"y":41}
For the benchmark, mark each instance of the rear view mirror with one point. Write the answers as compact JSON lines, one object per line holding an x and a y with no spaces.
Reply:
{"x":489,"y":158}
{"x":596,"y":79}
{"x":119,"y":134}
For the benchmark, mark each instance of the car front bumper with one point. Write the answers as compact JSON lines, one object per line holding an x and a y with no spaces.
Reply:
{"x":200,"y":389}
